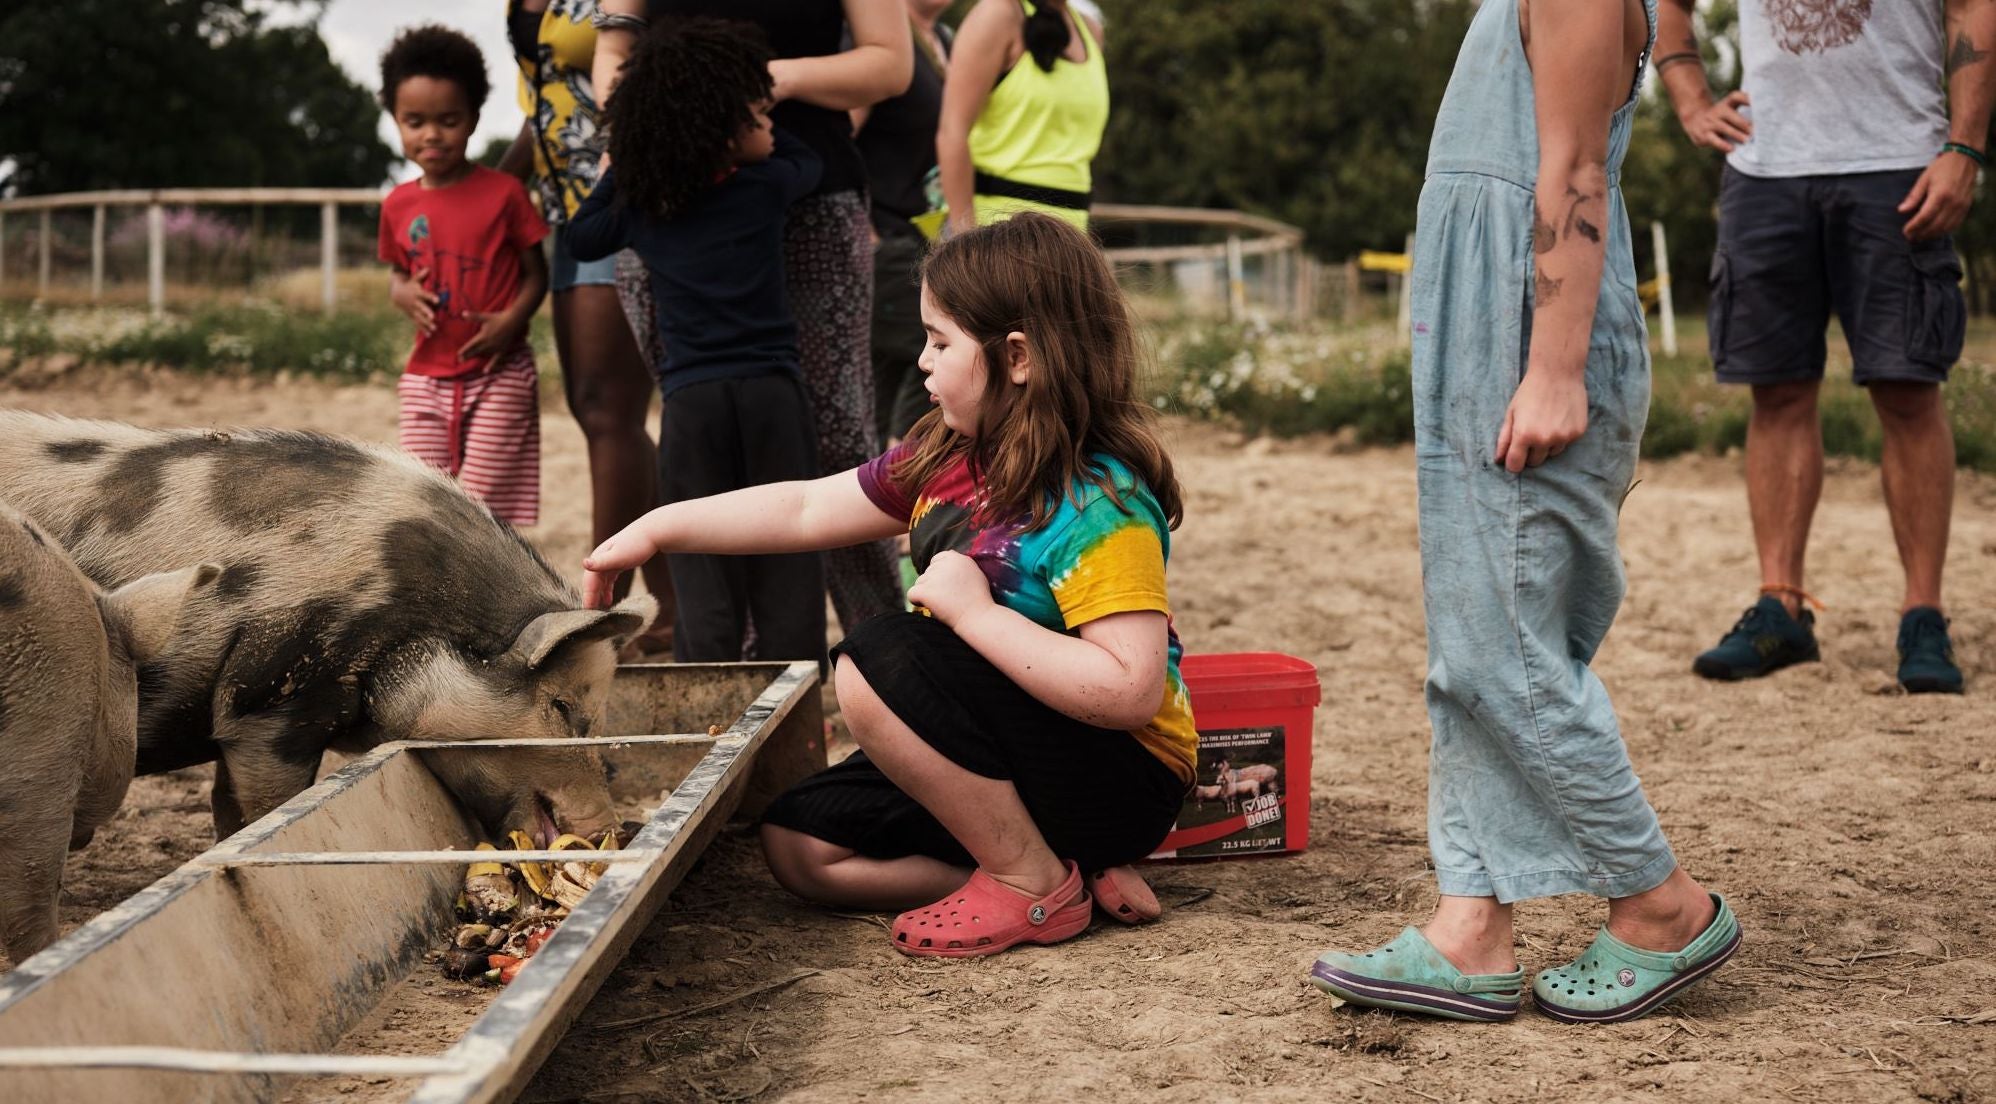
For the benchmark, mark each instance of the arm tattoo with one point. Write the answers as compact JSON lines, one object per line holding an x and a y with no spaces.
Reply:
{"x":1964,"y":54}
{"x":1543,"y":236}
{"x":1545,"y":289}
{"x":1576,"y":223}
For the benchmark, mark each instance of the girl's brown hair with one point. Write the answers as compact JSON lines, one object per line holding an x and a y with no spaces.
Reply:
{"x":1039,"y":276}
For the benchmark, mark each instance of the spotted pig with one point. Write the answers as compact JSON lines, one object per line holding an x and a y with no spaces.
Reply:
{"x":363,"y":597}
{"x":68,"y":711}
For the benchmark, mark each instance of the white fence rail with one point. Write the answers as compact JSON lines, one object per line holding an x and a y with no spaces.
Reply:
{"x":1288,"y":280}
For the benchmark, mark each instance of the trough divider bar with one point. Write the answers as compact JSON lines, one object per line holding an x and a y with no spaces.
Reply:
{"x":505,"y":1046}
{"x":431,"y":858}
{"x":668,"y":738}
{"x":188,"y":1060}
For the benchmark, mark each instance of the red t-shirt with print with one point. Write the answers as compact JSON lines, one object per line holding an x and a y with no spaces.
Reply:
{"x":469,"y":237}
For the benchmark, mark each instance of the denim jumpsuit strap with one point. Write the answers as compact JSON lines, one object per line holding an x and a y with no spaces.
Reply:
{"x":1531,"y":792}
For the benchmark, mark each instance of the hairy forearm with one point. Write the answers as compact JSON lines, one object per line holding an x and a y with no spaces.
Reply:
{"x":1971,"y":70}
{"x":1678,"y":61}
{"x":1569,"y":247}
{"x":1078,"y":678}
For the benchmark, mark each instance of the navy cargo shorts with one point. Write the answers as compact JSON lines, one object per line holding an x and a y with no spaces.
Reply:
{"x":1792,"y":249}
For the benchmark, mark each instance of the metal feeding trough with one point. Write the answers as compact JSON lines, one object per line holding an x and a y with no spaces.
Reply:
{"x":245,"y":974}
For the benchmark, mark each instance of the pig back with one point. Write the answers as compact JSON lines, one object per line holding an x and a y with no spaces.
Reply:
{"x":341,"y":561}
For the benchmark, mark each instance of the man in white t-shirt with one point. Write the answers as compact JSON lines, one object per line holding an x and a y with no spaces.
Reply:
{"x":1852,"y":154}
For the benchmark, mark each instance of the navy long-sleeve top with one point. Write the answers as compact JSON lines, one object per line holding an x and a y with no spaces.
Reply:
{"x":716,"y":266}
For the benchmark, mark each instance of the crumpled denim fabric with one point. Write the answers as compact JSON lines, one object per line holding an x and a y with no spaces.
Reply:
{"x":1531,"y":792}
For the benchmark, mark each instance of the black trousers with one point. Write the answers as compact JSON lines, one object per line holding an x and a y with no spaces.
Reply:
{"x":720,"y":436}
{"x":898,"y":395}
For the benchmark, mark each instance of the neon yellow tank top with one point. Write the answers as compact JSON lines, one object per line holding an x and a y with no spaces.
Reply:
{"x":1043,"y":128}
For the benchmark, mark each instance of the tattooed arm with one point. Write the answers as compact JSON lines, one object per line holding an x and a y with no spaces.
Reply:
{"x":1580,"y":75}
{"x":1716,"y":126}
{"x":1940,"y":198}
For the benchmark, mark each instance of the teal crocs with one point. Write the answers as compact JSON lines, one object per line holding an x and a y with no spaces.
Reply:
{"x":1614,"y":982}
{"x":1409,"y":975}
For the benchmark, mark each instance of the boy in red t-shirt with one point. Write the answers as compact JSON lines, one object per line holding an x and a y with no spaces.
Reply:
{"x":464,"y":243}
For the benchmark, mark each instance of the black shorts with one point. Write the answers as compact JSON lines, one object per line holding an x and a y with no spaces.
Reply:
{"x":1792,"y":249}
{"x":1096,"y":794}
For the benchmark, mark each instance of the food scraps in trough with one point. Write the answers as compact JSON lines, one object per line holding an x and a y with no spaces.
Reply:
{"x":507,"y":911}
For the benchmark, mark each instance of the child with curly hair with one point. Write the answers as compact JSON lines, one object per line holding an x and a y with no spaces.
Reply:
{"x":463,"y":242}
{"x":1026,"y":736}
{"x":698,"y":188}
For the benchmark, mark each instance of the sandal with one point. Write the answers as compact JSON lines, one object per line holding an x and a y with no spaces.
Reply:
{"x":1613,"y":981}
{"x":1410,"y":975}
{"x":987,"y":916}
{"x":1122,"y":894}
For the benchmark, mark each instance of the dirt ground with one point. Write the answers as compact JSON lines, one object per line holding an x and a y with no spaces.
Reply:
{"x":1853,"y":828}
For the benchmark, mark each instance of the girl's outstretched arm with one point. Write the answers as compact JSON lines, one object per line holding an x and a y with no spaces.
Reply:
{"x":1111,"y":676}
{"x":1579,"y":78}
{"x":798,"y":516}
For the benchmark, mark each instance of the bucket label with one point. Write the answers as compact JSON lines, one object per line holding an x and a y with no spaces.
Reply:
{"x":1237,"y":804}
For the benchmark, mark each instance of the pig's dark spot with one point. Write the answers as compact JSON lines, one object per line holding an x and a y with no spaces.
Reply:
{"x":451,"y":582}
{"x":237,"y":580}
{"x":450,"y":506}
{"x":74,"y":452}
{"x":291,"y":663}
{"x":128,"y":493}
{"x":11,"y":594}
{"x":176,"y":721}
{"x":274,"y":477}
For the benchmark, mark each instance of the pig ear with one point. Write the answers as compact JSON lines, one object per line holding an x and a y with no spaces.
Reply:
{"x":145,"y":609}
{"x":546,"y":634}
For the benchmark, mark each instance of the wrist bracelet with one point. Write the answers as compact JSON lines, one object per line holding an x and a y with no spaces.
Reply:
{"x":1667,"y":60}
{"x":1981,"y":159}
{"x":618,"y":21}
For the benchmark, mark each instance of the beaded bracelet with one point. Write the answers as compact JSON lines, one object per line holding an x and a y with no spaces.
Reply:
{"x":1981,"y":159}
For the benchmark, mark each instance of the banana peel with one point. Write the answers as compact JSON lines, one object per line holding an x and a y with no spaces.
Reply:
{"x":488,"y":889}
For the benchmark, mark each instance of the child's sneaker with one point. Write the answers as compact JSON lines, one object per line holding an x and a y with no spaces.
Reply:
{"x":1764,"y":640}
{"x":1926,"y":657}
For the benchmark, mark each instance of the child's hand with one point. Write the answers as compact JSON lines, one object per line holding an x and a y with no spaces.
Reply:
{"x":603,"y":567}
{"x":953,"y":588}
{"x":413,"y":299}
{"x":496,"y":334}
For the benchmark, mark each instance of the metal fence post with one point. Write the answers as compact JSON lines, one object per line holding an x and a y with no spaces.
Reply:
{"x":156,"y":258}
{"x":1404,"y":322}
{"x":97,"y":253}
{"x":42,"y":277}
{"x":1236,"y":281}
{"x":1663,"y":299}
{"x":329,"y":252}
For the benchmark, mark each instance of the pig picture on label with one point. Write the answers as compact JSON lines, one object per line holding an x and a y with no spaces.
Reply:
{"x":362,"y":597}
{"x":69,"y":656}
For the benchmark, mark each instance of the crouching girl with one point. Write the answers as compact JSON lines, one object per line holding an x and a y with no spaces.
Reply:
{"x":1026,"y":735}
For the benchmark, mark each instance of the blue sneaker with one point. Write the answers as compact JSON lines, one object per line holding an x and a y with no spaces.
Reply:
{"x":1764,"y":640}
{"x":1926,"y":657}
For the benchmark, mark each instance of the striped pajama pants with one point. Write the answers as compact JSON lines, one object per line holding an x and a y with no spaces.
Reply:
{"x":484,"y":429}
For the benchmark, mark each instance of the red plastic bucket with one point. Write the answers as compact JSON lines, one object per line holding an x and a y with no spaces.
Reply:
{"x":1251,"y":793}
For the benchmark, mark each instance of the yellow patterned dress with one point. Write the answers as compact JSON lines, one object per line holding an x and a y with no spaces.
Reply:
{"x":561,"y":106}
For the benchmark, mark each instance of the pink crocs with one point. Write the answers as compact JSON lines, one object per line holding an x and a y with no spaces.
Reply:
{"x":987,"y":916}
{"x":1122,"y":894}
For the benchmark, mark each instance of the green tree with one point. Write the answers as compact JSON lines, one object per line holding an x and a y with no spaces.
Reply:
{"x":187,"y":93}
{"x":1314,"y":113}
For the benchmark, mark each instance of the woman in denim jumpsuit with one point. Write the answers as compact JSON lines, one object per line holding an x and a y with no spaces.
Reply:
{"x":1531,"y":380}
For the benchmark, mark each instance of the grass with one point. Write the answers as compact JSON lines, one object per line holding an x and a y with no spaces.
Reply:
{"x":1283,"y":380}
{"x":1355,"y":381}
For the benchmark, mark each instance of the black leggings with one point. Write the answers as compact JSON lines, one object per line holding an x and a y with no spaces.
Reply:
{"x":1096,"y":794}
{"x":721,"y":436}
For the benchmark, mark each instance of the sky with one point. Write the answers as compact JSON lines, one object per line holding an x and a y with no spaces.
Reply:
{"x":356,"y":31}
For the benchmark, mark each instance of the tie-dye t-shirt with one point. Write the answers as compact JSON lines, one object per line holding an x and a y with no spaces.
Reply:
{"x":1091,"y":559}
